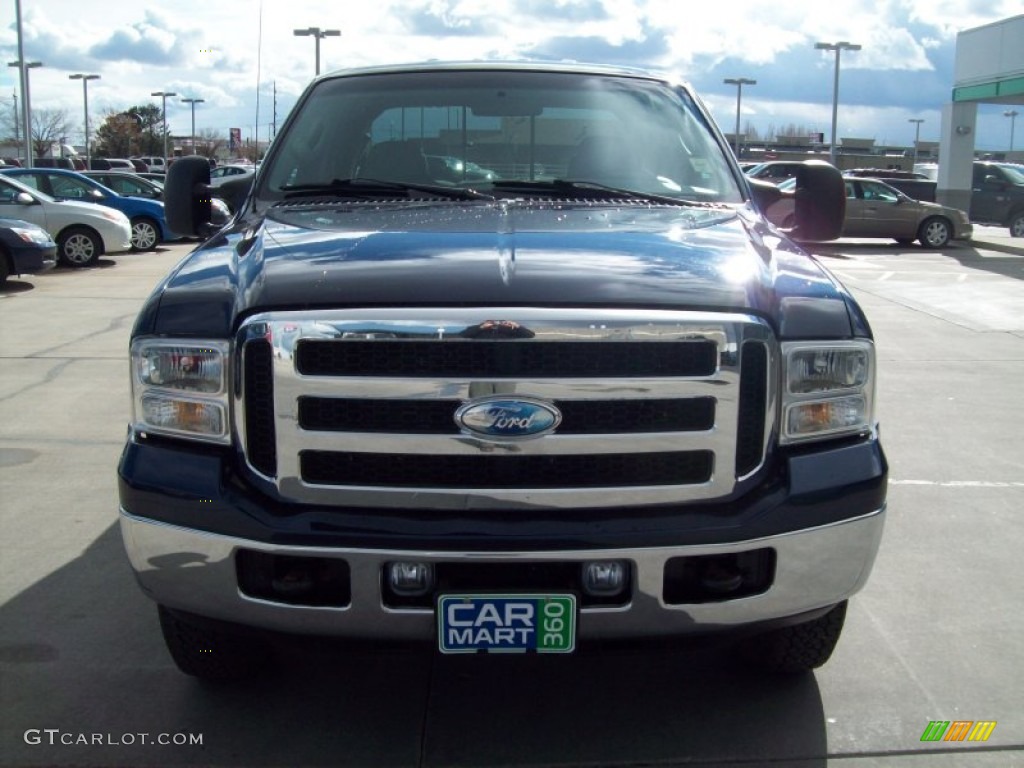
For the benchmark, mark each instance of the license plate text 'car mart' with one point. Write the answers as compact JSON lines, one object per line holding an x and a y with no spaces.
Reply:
{"x":507,"y":623}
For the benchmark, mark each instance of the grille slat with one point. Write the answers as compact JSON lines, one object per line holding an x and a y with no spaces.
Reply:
{"x":507,"y":358}
{"x":753,"y":402}
{"x":479,"y":472}
{"x":260,"y":442}
{"x":437,"y":417}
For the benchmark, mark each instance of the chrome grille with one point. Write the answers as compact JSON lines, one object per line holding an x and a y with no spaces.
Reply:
{"x":357,"y":407}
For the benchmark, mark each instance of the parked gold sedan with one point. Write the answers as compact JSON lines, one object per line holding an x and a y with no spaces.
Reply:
{"x":874,"y":209}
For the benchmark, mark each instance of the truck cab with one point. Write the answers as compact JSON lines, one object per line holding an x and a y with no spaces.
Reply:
{"x":997,"y":195}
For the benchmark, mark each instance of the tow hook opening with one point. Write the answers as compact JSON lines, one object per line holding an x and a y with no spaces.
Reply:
{"x":716,"y":578}
{"x":311,"y":581}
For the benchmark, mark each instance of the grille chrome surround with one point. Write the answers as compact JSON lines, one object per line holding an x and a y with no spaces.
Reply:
{"x":730,"y":336}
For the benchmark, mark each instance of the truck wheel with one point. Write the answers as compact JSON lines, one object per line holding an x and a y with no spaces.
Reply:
{"x":799,"y":648}
{"x":934,"y":232}
{"x":145,"y":234}
{"x":1017,"y":224}
{"x":79,"y":247}
{"x":209,"y":653}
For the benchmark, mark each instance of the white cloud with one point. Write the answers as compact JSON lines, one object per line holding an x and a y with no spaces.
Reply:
{"x":210,"y":49}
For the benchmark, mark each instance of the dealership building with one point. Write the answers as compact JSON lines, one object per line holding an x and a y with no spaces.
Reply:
{"x":989,"y":69}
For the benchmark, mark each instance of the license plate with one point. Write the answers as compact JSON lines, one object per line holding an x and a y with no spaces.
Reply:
{"x":506,"y":623}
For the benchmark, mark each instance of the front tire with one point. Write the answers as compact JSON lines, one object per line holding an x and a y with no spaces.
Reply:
{"x":797,"y":649}
{"x":79,"y":247}
{"x":145,"y":234}
{"x":208,"y":652}
{"x":1017,"y":224}
{"x":935,"y":233}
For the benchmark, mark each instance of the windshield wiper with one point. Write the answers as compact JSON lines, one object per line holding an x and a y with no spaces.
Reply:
{"x":591,"y":189}
{"x":363,"y":188}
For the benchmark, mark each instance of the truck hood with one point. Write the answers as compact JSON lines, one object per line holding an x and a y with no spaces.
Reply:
{"x":504,"y":253}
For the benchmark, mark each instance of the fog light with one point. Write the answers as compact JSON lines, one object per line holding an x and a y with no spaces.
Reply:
{"x":602,"y":578}
{"x":411,"y":579}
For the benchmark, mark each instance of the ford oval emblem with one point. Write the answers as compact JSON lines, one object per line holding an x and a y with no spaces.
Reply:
{"x":508,"y":417}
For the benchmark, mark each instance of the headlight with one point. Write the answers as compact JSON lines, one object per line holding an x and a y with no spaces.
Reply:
{"x":113,"y":215}
{"x":38,"y":236}
{"x":179,"y":387}
{"x":828,"y":389}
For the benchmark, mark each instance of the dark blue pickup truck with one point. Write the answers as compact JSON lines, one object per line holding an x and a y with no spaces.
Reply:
{"x":565,"y":384}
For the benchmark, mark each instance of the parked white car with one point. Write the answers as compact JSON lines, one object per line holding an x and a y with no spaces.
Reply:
{"x":156,"y":164}
{"x":83,"y":231}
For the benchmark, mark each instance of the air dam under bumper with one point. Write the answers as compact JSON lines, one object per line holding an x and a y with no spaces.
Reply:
{"x":194,"y":571}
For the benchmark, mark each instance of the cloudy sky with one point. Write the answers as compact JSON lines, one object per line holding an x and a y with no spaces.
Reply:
{"x":212,"y":50}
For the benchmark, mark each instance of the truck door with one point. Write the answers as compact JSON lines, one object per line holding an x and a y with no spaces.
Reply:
{"x":990,"y":194}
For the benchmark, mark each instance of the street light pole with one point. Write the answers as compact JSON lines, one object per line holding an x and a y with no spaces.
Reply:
{"x":317,"y":34}
{"x":193,"y":102}
{"x":1010,"y":113}
{"x":163,"y":95}
{"x":842,"y":45}
{"x":739,"y":82}
{"x":23,"y":82}
{"x":85,"y":98}
{"x":23,"y":68}
{"x":917,"y":133}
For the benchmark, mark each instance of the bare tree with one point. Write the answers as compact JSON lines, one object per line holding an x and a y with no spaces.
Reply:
{"x":49,"y":126}
{"x":208,"y":141}
{"x":791,"y":130}
{"x":10,"y":118}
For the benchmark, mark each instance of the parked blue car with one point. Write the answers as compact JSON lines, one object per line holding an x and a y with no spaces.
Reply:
{"x":149,"y":227}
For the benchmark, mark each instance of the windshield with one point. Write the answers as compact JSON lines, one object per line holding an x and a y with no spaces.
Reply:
{"x":1014,"y":172}
{"x":9,"y":189}
{"x":501,"y":132}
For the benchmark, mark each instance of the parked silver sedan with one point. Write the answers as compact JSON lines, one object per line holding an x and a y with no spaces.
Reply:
{"x":874,"y":209}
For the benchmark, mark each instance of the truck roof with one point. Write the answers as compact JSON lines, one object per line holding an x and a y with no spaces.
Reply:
{"x":516,"y":65}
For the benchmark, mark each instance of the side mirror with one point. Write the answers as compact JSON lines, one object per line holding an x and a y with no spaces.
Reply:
{"x":820,"y":202}
{"x":187,"y":196}
{"x":765,"y":193}
{"x":234,"y":191}
{"x":96,"y":195}
{"x":24,"y":198}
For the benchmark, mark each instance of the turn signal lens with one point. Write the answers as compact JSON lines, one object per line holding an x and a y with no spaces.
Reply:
{"x":199,"y":418}
{"x":828,"y":416}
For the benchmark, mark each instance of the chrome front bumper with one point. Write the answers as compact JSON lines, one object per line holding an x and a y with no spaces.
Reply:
{"x":194,"y":571}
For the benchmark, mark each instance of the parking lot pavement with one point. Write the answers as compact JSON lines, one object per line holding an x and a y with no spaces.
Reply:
{"x":935,"y":635}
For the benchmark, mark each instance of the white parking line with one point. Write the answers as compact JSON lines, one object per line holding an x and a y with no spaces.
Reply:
{"x":959,"y":483}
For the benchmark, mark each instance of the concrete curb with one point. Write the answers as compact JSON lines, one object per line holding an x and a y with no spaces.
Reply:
{"x":993,"y":245}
